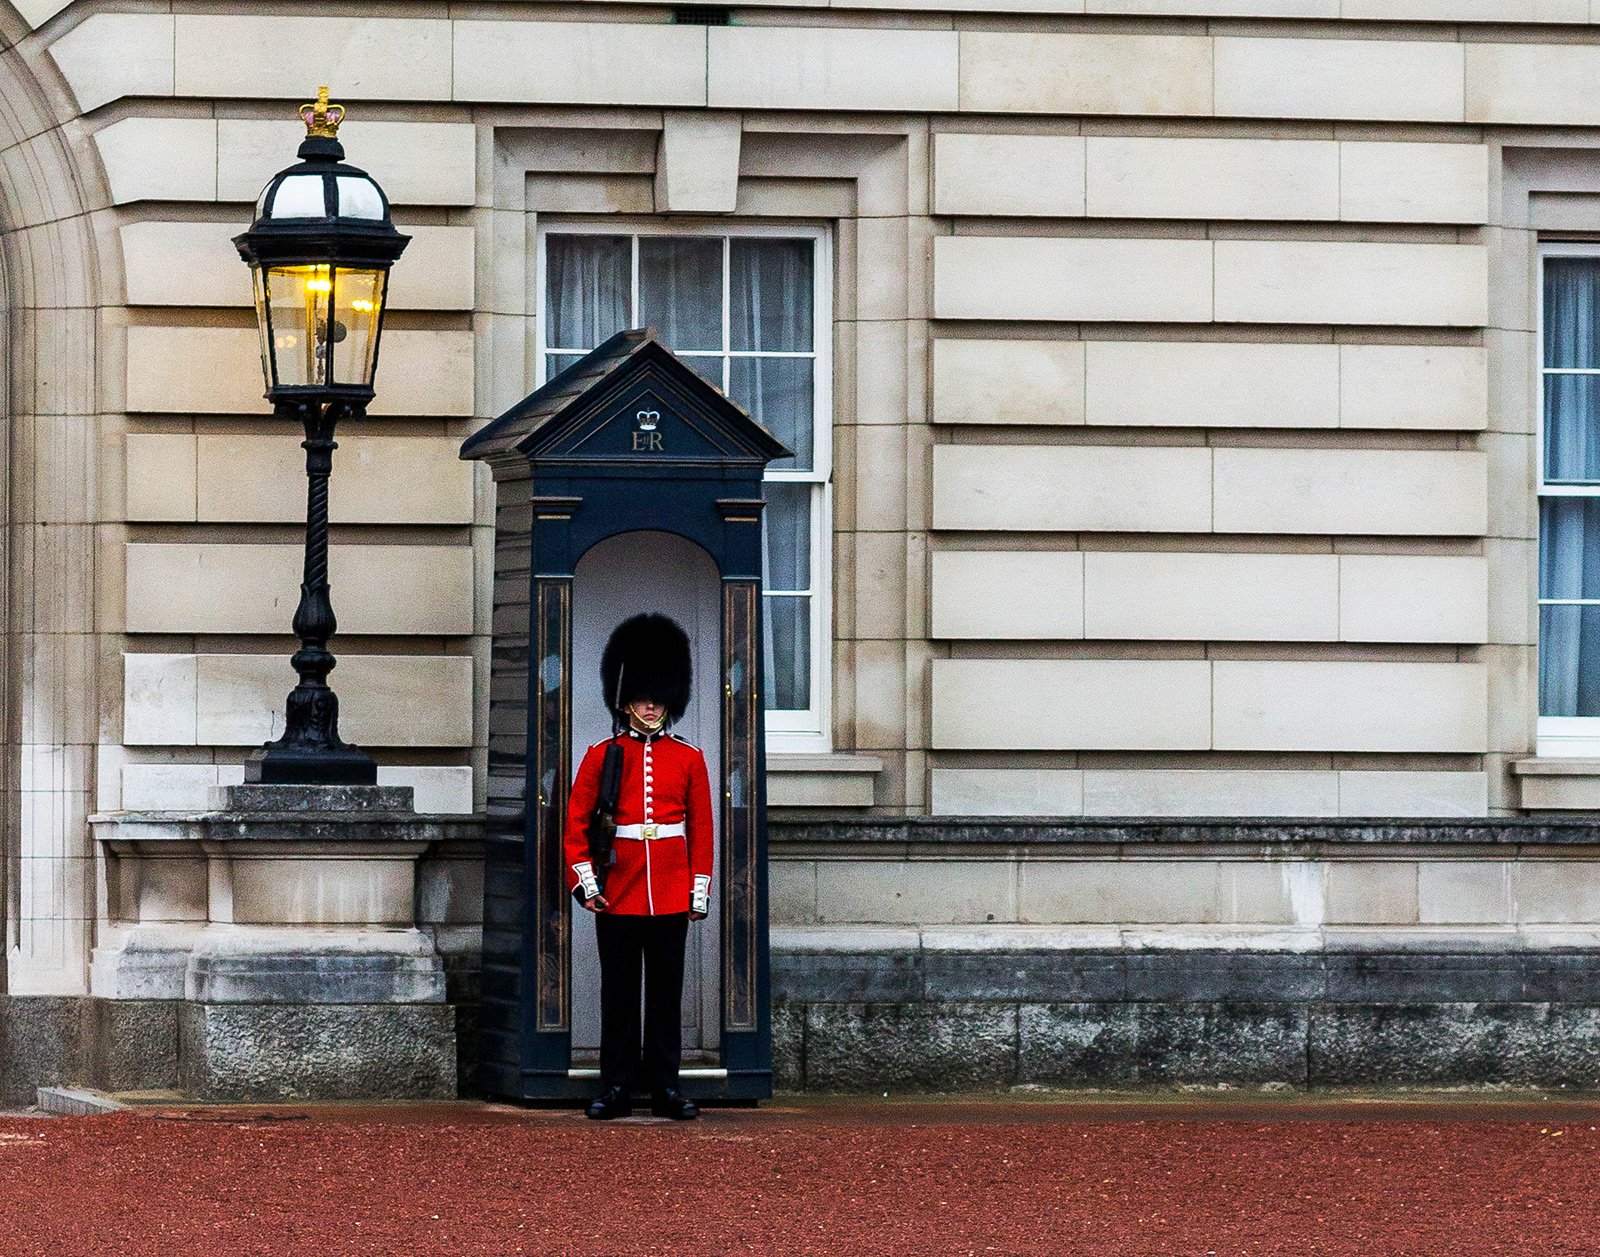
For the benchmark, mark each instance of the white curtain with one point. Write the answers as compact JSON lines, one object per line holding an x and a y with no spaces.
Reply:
{"x":588,"y":282}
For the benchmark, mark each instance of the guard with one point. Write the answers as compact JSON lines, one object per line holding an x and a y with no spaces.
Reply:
{"x":638,"y":850}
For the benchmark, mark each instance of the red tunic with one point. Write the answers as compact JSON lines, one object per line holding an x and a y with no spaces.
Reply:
{"x":664,"y":783}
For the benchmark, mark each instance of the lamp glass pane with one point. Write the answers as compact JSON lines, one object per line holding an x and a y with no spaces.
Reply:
{"x":298,"y":298}
{"x":359,"y":198}
{"x":300,"y":196}
{"x":358,"y":297}
{"x":259,"y":283}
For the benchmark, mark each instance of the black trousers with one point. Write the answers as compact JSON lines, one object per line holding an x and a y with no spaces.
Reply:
{"x":627,"y":945}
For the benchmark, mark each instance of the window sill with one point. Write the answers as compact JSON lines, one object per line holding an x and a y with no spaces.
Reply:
{"x":1558,"y":784}
{"x":821,"y":781}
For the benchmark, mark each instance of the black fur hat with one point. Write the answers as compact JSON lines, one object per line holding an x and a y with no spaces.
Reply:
{"x":647,"y":657}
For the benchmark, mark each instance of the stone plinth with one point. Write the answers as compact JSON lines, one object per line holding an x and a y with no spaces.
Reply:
{"x":272,"y":946}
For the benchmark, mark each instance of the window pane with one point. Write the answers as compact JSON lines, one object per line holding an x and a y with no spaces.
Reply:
{"x":1572,"y":428}
{"x":778,"y":394}
{"x":770,"y":305}
{"x":680,"y":290}
{"x":1569,"y":548}
{"x":1569,"y":661}
{"x":587,"y":282}
{"x":788,"y":651}
{"x":1571,"y":307}
{"x":786,"y":535}
{"x":554,"y":364}
{"x":708,"y":365}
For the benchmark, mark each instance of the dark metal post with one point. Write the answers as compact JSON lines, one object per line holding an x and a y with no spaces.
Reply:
{"x":310,"y":752}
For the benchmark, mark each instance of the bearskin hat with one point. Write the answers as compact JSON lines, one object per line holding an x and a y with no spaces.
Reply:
{"x":647,"y":657}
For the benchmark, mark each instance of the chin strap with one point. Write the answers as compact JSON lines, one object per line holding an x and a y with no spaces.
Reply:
{"x":700,"y":899}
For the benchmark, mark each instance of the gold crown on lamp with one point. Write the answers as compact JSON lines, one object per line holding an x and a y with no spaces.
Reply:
{"x":321,"y":118}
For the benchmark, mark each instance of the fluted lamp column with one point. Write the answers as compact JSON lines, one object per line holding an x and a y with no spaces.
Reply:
{"x":319,"y":252}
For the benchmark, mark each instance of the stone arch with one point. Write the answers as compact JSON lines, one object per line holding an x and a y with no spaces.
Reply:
{"x":51,"y":184}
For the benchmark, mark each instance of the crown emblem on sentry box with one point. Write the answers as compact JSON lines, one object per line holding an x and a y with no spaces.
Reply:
{"x":648,"y":419}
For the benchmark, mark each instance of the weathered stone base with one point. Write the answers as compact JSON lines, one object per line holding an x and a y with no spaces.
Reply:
{"x":235,"y":1052}
{"x":947,"y":1020}
{"x":318,"y":1051}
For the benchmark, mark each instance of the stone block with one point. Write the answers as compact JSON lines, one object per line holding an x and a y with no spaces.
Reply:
{"x":111,"y":55}
{"x":788,"y":1046}
{"x":1081,"y":73}
{"x":697,"y":167}
{"x":1103,"y":279}
{"x":262,"y":1053}
{"x":1006,"y":975}
{"x":45,"y":1040}
{"x":1006,"y":792}
{"x":1413,"y":598}
{"x":248,"y":588}
{"x":1077,"y":488}
{"x":136,"y":1044}
{"x":161,"y":159}
{"x":1370,"y":892}
{"x":1210,"y":596}
{"x":580,"y":63}
{"x":1408,"y":81}
{"x":250,"y":152}
{"x":1413,"y":386}
{"x":1471,"y":892}
{"x":217,"y":370}
{"x":1538,"y":83}
{"x":1006,"y":175}
{"x":1118,"y":892}
{"x":922,"y":892}
{"x":1222,"y":1042}
{"x":1555,"y":891}
{"x":193,"y":264}
{"x":851,"y":976}
{"x":1212,"y":384}
{"x":1220,"y":977}
{"x":1208,"y":792}
{"x":159,"y":699}
{"x":1077,"y":1044}
{"x":1142,"y":177}
{"x":796,"y":67}
{"x":277,"y":966}
{"x":1349,"y":706}
{"x":1071,"y":704}
{"x":1008,"y":381}
{"x":891,"y":1047}
{"x":374,"y":58}
{"x":994,"y":594}
{"x":1465,"y":1043}
{"x":1300,"y":281}
{"x":1395,"y":794}
{"x":1362,"y":492}
{"x":377,"y":479}
{"x":443,"y":790}
{"x":167,"y":787}
{"x":160,"y":470}
{"x":1413,"y":183}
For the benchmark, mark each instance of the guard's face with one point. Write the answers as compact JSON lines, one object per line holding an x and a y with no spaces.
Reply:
{"x":648,"y":713}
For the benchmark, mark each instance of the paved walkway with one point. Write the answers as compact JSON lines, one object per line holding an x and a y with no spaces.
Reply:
{"x":1105,"y":1178}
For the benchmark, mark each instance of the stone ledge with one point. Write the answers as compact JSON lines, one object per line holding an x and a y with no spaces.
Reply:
{"x":1558,"y":785}
{"x":821,"y":781}
{"x":1277,"y":836}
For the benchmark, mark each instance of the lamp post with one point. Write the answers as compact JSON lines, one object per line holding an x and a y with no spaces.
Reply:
{"x":319,"y":251}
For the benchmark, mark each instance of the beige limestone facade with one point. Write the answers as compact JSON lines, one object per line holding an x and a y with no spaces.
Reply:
{"x":1183,"y":414}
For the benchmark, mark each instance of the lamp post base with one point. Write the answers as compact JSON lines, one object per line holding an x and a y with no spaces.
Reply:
{"x":275,"y":765}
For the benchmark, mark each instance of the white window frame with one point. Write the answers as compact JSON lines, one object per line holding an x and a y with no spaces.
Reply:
{"x":1558,"y":735}
{"x":795,"y":731}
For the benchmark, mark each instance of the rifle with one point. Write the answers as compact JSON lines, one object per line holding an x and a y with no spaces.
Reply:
{"x":602,"y":831}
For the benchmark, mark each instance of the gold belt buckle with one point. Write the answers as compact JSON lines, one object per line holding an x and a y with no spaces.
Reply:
{"x":648,"y":832}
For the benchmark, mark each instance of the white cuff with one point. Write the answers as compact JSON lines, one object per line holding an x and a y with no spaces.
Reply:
{"x":586,"y":882}
{"x":700,"y":900}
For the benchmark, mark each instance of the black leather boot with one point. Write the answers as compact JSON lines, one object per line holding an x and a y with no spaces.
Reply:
{"x":615,"y":1103}
{"x":674,"y":1104}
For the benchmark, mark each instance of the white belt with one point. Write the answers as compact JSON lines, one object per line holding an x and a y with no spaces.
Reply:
{"x":651,"y":831}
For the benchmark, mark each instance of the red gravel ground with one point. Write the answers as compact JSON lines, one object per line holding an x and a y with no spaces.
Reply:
{"x":1107,"y":1180}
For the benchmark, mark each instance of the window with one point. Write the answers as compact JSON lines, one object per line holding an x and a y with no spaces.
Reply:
{"x":749,"y":310}
{"x":1569,"y":502}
